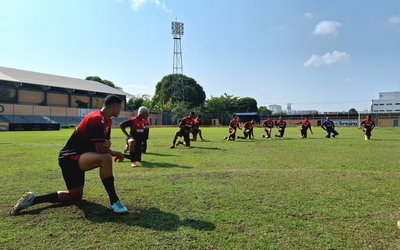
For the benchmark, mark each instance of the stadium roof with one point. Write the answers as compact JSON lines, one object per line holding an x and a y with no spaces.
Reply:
{"x":24,"y":76}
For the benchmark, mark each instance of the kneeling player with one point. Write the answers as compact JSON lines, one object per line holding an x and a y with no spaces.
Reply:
{"x":248,"y":130}
{"x":368,"y":125}
{"x":281,"y":125}
{"x":137,"y":135}
{"x":268,"y":125}
{"x":185,"y":127}
{"x":87,"y":148}
{"x":196,"y":129}
{"x":233,"y":125}
{"x":329,"y":127}
{"x":305,"y":125}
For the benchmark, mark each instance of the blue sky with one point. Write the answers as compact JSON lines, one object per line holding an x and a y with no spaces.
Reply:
{"x":323,"y":55}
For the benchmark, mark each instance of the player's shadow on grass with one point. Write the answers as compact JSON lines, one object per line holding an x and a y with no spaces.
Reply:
{"x":205,"y":148}
{"x":150,"y":218}
{"x":147,"y":164}
{"x":158,"y":154}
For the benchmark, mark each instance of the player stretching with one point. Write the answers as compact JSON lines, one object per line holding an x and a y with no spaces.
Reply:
{"x":137,"y":135}
{"x":185,"y":126}
{"x":368,"y":125}
{"x":87,"y":148}
{"x":329,"y":127}
{"x":233,"y":126}
{"x":248,"y":130}
{"x":196,"y":129}
{"x":281,"y":125}
{"x":305,"y":125}
{"x":268,"y":125}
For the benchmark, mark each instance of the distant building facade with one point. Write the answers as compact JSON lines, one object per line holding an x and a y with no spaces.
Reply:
{"x":388,"y":102}
{"x":275,"y":108}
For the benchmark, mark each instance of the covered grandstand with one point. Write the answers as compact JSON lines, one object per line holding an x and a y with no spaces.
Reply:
{"x":32,"y":97}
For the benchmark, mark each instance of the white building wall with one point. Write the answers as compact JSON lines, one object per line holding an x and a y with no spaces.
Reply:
{"x":387,"y":102}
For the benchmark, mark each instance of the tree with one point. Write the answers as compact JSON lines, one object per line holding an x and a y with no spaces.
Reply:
{"x":194,"y":93}
{"x":353,"y":111}
{"x":280,"y":113}
{"x":264,"y":111}
{"x":134,"y":103}
{"x":103,"y":81}
{"x":247,"y":104}
{"x":223,"y":104}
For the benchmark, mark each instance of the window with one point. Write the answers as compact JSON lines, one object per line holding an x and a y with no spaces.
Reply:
{"x":389,"y":103}
{"x":382,"y":104}
{"x":397,"y":103}
{"x":376,"y":104}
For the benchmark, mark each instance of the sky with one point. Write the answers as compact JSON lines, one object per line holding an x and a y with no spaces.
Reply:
{"x":318,"y":55}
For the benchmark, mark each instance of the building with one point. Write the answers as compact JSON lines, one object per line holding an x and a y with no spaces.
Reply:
{"x":388,"y":102}
{"x":275,"y":108}
{"x":32,"y":88}
{"x":32,"y":97}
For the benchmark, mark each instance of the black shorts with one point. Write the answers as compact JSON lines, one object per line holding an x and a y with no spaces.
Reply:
{"x":73,"y":176}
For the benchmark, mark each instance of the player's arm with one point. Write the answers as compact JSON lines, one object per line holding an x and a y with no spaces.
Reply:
{"x":323,"y":127}
{"x":373,"y":126}
{"x":309,"y":127}
{"x":123,"y":125}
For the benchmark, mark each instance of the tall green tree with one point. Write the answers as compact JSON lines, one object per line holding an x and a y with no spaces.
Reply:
{"x":103,"y":81}
{"x":194,"y":93}
{"x":134,"y":103}
{"x":247,"y":104}
{"x":353,"y":111}
{"x":264,"y":111}
{"x":222,"y":104}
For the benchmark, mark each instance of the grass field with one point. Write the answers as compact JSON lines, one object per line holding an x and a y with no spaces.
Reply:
{"x":288,"y":194}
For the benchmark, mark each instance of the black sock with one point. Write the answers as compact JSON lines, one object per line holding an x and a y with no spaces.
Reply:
{"x":52,"y":198}
{"x":132,"y":156}
{"x":109,"y":186}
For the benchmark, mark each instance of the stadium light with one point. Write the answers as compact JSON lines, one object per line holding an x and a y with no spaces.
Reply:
{"x":177,"y":29}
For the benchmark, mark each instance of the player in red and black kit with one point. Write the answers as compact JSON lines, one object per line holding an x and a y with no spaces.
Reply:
{"x":196,"y":129}
{"x":87,"y":148}
{"x":305,"y":125}
{"x":268,"y":125}
{"x":233,"y":126}
{"x":185,"y":127}
{"x":137,"y":136}
{"x":281,"y":125}
{"x":248,"y":130}
{"x":368,"y":125}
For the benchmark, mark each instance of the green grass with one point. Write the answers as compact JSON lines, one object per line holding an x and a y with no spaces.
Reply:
{"x":288,"y":194}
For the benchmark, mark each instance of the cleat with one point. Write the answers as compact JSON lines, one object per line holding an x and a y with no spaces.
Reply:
{"x":118,"y":207}
{"x":133,"y":165}
{"x":25,"y":202}
{"x":172,"y":146}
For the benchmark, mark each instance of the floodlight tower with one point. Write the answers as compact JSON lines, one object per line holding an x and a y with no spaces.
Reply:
{"x":177,"y":91}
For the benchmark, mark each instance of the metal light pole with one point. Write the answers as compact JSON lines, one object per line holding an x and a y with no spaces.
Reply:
{"x":177,"y":89}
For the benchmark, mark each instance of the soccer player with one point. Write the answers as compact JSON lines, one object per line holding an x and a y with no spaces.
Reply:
{"x":329,"y":127}
{"x":281,"y":125}
{"x":233,"y":126}
{"x":185,"y":127}
{"x":368,"y":125}
{"x":248,"y":130}
{"x":87,"y":148}
{"x":137,"y":135}
{"x":268,"y":125}
{"x":305,"y":125}
{"x":196,"y":129}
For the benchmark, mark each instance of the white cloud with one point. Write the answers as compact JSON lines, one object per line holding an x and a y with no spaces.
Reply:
{"x":137,"y":4}
{"x":327,"y":59}
{"x":327,"y":28}
{"x":394,"y":20}
{"x":308,"y":15}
